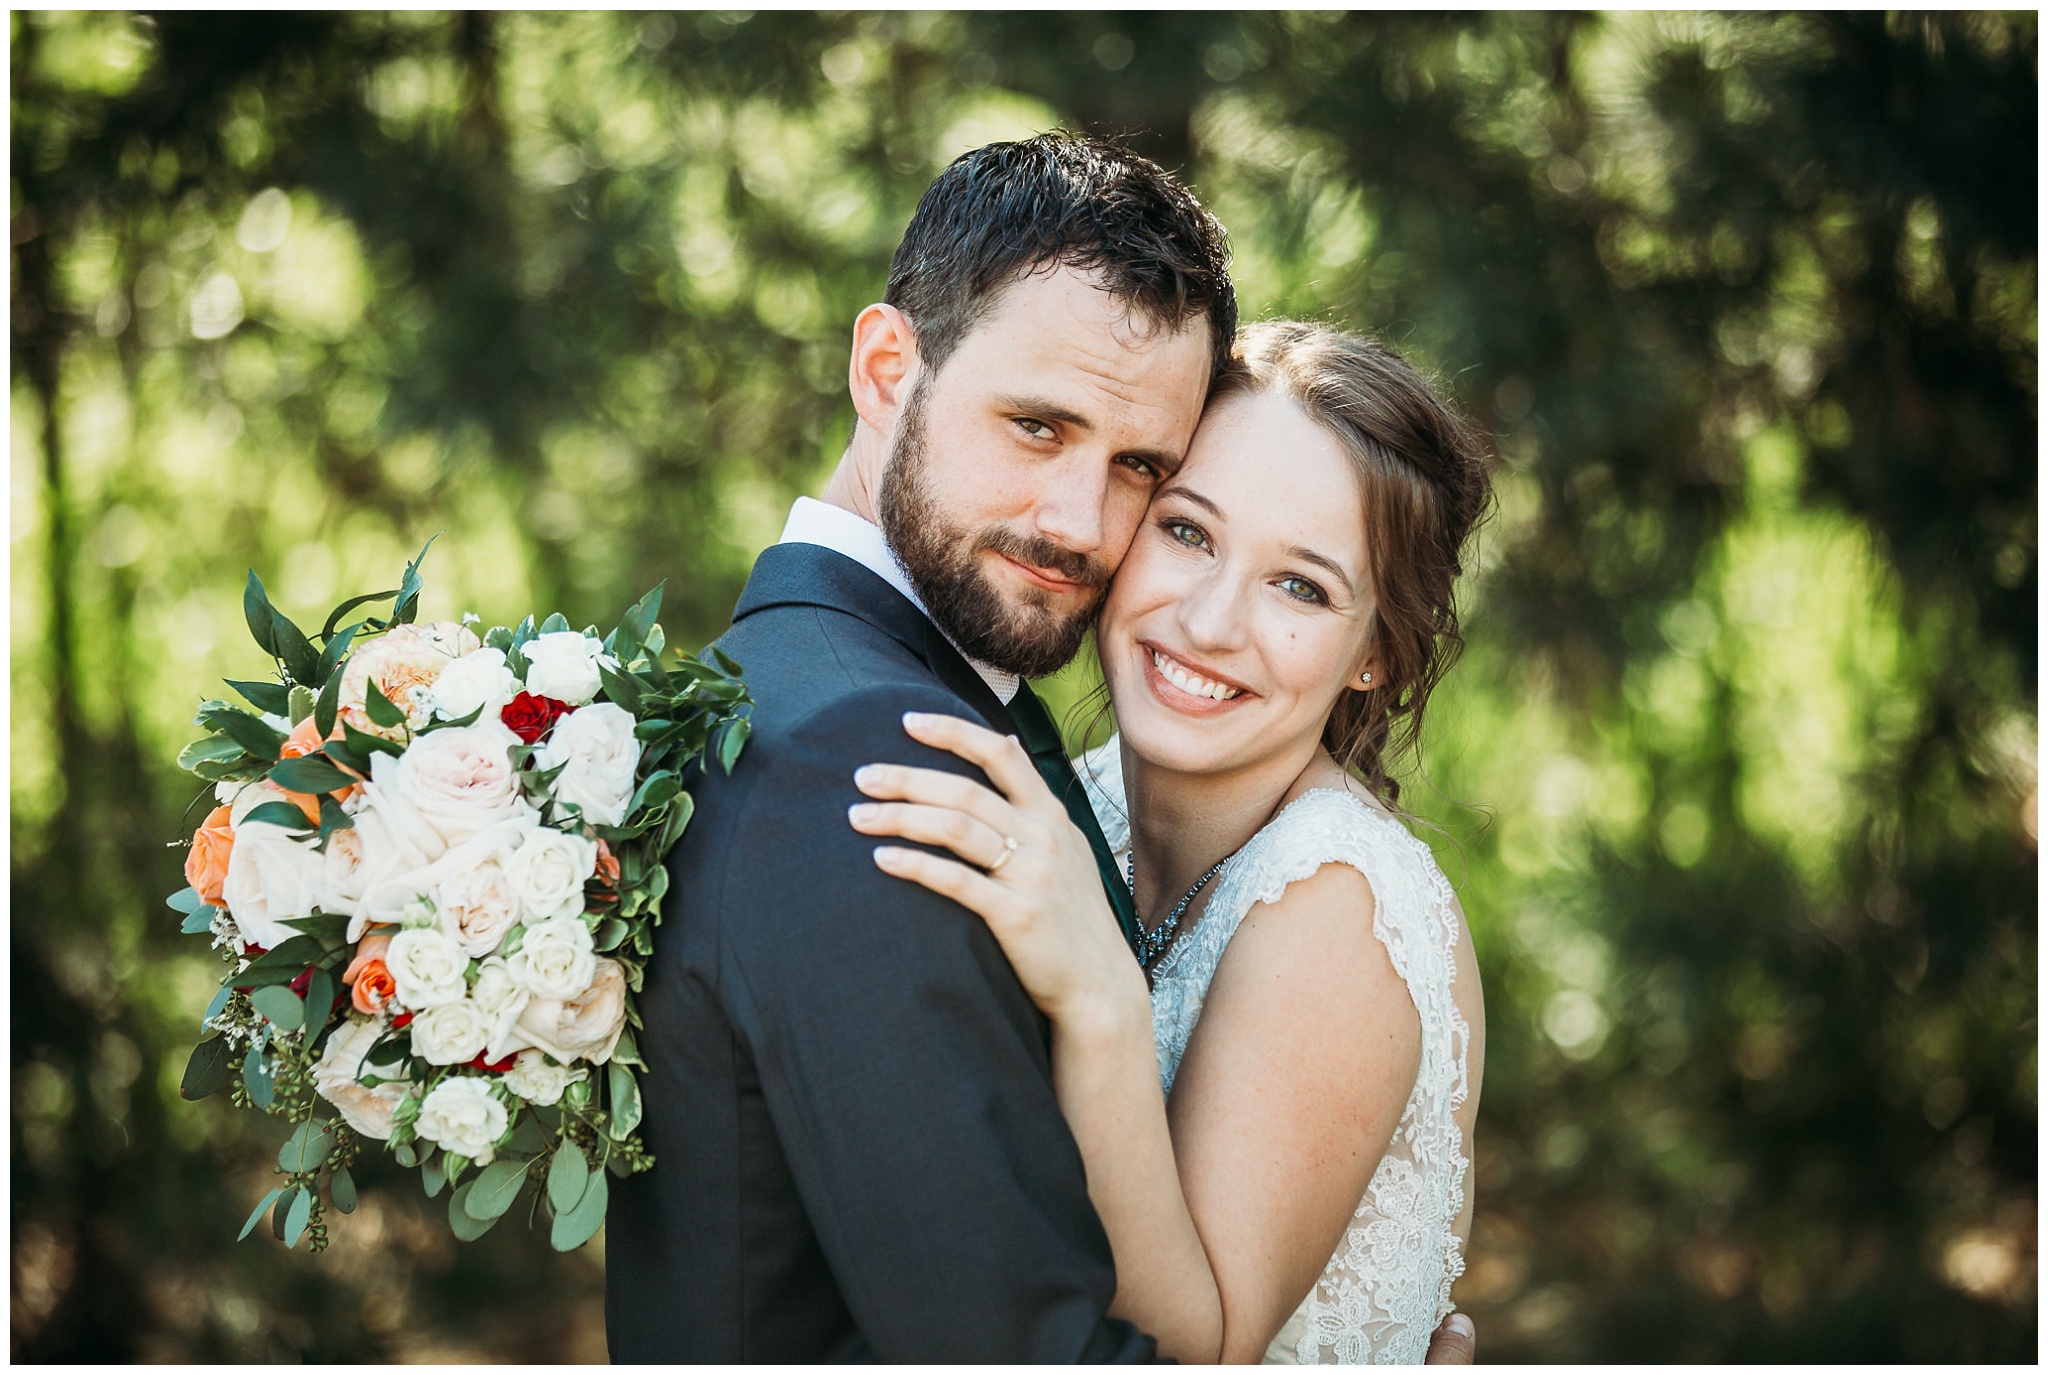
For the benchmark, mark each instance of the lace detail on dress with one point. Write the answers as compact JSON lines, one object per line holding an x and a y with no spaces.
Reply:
{"x":1389,"y":1283}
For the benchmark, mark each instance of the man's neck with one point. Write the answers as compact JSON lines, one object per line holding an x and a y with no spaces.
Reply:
{"x":854,"y":483}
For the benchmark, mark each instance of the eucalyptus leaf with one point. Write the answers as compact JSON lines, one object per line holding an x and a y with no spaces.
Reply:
{"x":185,"y":900}
{"x":211,"y":749}
{"x":257,"y":1216}
{"x":568,"y":1174}
{"x":252,"y":733}
{"x":280,"y":1007}
{"x":319,"y":999}
{"x":580,"y":1223}
{"x":305,"y":1150}
{"x":301,"y":1213}
{"x":262,"y":1088}
{"x":211,"y":1069}
{"x":341,"y":1188}
{"x":496,"y":1189}
{"x":466,"y":1225}
{"x":625,"y":1092}
{"x":219,"y":1002}
{"x":197,"y":923}
{"x":433,"y":1174}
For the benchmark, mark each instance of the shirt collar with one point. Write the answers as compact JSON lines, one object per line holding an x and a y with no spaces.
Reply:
{"x":840,"y":530}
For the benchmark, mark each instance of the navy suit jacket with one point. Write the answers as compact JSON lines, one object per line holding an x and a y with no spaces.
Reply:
{"x":849,"y":1095}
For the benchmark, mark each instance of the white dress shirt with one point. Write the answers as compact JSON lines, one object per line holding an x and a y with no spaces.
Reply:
{"x":840,"y":530}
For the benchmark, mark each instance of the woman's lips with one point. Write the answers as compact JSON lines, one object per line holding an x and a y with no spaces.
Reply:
{"x":1198,"y":696}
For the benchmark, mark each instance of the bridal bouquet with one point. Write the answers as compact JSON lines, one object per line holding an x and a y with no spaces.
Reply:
{"x":434,"y":871}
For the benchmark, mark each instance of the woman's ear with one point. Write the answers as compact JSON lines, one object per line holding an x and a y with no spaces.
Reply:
{"x":883,"y":366}
{"x":1367,"y":679}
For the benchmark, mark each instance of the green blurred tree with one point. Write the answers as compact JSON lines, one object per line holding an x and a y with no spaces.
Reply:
{"x":1748,"y":300}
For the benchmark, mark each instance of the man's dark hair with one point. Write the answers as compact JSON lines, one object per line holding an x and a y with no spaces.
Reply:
{"x":1065,"y":200}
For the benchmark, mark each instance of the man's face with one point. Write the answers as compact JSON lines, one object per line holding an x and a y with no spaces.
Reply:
{"x":1020,"y":470}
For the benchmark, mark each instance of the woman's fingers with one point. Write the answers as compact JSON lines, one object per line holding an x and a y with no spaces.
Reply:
{"x":935,"y":788}
{"x":973,"y":840}
{"x":949,"y":878}
{"x":1001,"y":757}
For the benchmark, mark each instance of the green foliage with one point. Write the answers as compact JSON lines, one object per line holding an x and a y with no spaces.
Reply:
{"x":1749,"y":704}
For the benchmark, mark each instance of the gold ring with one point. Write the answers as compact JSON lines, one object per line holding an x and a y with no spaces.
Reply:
{"x":1009,"y":848}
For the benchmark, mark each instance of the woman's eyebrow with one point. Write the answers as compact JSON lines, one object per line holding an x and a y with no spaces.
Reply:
{"x":1307,"y":555}
{"x":1196,"y":497}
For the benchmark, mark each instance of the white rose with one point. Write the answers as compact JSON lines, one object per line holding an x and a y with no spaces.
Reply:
{"x":556,"y":960}
{"x":549,"y":871}
{"x":538,"y":1080}
{"x":562,"y":664}
{"x":428,"y":967}
{"x":597,"y":746}
{"x":478,"y":681}
{"x":366,"y":1107}
{"x":451,"y":1034}
{"x":243,"y":798}
{"x":387,"y":873}
{"x":476,"y":897}
{"x":271,"y":878}
{"x":448,"y":785}
{"x":462,"y":1115}
{"x":403,"y":662}
{"x":585,"y":1027}
{"x":500,"y":999}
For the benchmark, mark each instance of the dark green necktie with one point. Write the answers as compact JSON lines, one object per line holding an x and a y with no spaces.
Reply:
{"x":1039,"y":736}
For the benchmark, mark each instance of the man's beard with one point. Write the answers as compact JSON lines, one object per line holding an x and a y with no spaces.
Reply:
{"x":1031,"y":639}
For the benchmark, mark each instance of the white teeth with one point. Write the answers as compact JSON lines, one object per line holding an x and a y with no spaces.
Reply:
{"x":1190,"y":683}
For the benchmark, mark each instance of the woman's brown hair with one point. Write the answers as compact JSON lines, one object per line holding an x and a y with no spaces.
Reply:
{"x":1422,"y":474}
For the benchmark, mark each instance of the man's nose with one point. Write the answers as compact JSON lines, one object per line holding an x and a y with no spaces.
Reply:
{"x":1069,"y":511}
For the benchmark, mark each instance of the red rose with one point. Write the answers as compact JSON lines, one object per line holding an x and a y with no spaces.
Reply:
{"x":401,"y":1021}
{"x":529,"y":717}
{"x":492,"y":1066}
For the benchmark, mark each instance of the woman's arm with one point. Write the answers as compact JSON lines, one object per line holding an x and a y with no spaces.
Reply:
{"x":1284,"y":1102}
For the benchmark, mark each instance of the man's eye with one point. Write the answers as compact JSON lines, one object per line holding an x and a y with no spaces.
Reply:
{"x":1037,"y":429}
{"x":1139,"y":466}
{"x":1302,"y":590}
{"x":1185,"y":532}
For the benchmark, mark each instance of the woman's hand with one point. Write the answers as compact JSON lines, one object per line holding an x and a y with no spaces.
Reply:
{"x":1028,"y":872}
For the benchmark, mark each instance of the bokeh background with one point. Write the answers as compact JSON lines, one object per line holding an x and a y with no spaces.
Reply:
{"x":1737,"y":781}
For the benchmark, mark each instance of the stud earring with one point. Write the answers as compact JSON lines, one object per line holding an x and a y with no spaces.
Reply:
{"x":1365,"y":678}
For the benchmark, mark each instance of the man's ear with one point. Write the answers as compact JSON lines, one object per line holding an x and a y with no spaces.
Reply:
{"x":883,"y":367}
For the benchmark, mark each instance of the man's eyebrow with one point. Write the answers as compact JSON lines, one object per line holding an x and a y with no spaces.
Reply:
{"x":1298,"y":551}
{"x":1038,"y":408}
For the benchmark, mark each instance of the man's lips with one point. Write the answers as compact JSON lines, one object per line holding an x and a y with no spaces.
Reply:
{"x":1039,"y":577}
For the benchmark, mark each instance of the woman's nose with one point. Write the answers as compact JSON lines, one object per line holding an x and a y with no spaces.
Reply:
{"x":1213,"y":613}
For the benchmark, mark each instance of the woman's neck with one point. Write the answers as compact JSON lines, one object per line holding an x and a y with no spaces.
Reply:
{"x":1182,"y":823}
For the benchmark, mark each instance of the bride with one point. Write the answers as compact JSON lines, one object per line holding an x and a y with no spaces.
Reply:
{"x":1276,"y":1109}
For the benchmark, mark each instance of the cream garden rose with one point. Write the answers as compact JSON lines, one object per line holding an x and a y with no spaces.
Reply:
{"x":451,"y":1034}
{"x":449,"y":785}
{"x":538,"y":1080}
{"x":597,"y":746}
{"x":474,"y":889}
{"x":429,"y":968}
{"x":462,"y":1114}
{"x":366,"y":1107}
{"x":585,"y":1027}
{"x":557,"y":959}
{"x":404,"y":662}
{"x":500,"y":999}
{"x":549,"y":871}
{"x":562,"y":664}
{"x":271,"y":879}
{"x":479,"y":681}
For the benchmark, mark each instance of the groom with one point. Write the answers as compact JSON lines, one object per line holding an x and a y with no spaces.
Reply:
{"x":849,"y":1096}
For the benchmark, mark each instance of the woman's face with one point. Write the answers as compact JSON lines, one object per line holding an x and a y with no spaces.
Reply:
{"x":1242,"y":610}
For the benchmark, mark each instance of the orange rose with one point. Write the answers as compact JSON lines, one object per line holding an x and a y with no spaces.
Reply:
{"x":373,"y":983}
{"x":607,"y":866}
{"x":206,"y":866}
{"x":304,"y":739}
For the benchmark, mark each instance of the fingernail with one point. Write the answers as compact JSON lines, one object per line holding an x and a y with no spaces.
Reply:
{"x":1459,"y":1323}
{"x":916,"y":718}
{"x":865,"y":775}
{"x":886,"y":855}
{"x":861,"y":811}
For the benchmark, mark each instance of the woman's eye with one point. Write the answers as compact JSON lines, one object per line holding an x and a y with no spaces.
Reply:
{"x":1302,"y":590}
{"x":1185,"y":532}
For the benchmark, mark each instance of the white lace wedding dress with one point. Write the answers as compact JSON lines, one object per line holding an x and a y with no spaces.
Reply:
{"x":1389,"y":1283}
